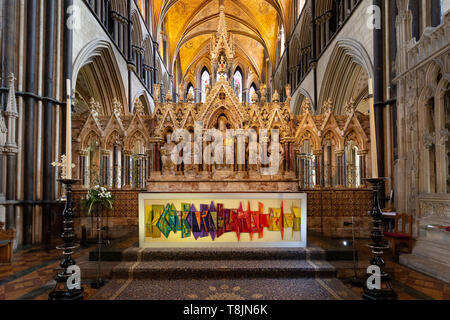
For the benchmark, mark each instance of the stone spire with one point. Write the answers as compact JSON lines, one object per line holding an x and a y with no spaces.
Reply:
{"x":222,"y":41}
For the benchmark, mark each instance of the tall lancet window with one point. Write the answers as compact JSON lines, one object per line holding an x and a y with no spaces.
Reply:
{"x":299,"y":4}
{"x":141,"y":6}
{"x":237,"y":83}
{"x":282,"y":40}
{"x":251,"y":92}
{"x":205,"y":83}
{"x":190,"y":91}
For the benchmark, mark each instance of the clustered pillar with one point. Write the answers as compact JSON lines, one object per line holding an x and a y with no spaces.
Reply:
{"x":340,"y":167}
{"x":318,"y":154}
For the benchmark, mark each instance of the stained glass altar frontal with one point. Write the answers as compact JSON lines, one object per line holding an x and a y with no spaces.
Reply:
{"x":184,"y":220}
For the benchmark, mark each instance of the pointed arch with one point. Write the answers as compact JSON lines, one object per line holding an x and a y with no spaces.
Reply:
{"x":97,"y":75}
{"x":348,"y":62}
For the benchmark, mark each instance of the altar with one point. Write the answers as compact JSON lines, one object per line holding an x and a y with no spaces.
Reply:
{"x":231,"y":220}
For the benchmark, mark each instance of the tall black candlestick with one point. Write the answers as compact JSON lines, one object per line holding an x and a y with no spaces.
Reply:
{"x":385,"y":292}
{"x":62,"y":291}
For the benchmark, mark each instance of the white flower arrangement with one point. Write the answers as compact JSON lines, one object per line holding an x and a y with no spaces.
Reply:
{"x":98,"y":196}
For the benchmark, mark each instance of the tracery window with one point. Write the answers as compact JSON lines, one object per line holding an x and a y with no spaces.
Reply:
{"x":190,"y":90}
{"x":206,"y":80}
{"x":250,"y":92}
{"x":282,"y":39}
{"x":237,"y":83}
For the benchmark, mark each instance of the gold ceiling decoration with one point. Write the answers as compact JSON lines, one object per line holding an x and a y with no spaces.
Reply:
{"x":253,"y":27}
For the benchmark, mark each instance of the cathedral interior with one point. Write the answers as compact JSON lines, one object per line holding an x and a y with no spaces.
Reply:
{"x":326,"y":122}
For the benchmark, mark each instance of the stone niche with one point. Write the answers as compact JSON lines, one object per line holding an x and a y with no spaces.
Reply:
{"x":431,"y":252}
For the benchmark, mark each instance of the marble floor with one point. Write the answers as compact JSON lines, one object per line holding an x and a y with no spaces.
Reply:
{"x":30,"y":277}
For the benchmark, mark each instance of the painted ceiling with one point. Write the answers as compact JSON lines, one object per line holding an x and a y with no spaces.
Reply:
{"x":189,"y":24}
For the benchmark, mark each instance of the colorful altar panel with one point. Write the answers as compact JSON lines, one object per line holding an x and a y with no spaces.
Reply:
{"x":163,"y":224}
{"x":274,"y":219}
{"x":297,"y":219}
{"x":203,"y":221}
{"x":157,"y":211}
{"x":190,"y":220}
{"x":220,"y":220}
{"x":185,"y":227}
{"x":235,"y":224}
{"x":194,"y":222}
{"x":212,"y":217}
{"x":228,"y":226}
{"x":148,"y":221}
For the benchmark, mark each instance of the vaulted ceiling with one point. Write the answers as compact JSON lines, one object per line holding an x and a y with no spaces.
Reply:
{"x":188,"y":26}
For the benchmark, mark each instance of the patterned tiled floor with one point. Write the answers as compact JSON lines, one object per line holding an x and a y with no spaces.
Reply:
{"x":31,"y":273}
{"x":229,"y":289}
{"x":409,"y":284}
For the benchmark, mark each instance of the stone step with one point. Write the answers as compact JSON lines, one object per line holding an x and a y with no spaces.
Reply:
{"x":211,"y":269}
{"x":426,"y":265}
{"x":205,"y":254}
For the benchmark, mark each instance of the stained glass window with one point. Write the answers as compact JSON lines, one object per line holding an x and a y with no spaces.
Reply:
{"x":282,"y":41}
{"x":237,"y":84}
{"x":251,"y":91}
{"x":205,"y":82}
{"x":190,"y":91}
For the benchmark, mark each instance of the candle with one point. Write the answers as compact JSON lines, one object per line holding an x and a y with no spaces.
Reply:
{"x":373,"y":136}
{"x":69,"y":132}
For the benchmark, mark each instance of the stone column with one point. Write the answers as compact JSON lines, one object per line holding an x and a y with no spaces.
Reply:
{"x":148,"y":166}
{"x":301,"y":170}
{"x":104,"y":167}
{"x":327,"y":27}
{"x":83,"y":166}
{"x":363,"y":166}
{"x":198,"y":95}
{"x":115,"y":183}
{"x":287,"y":159}
{"x":240,"y":152}
{"x":293,"y":162}
{"x":158,"y":155}
{"x":245,"y":98}
{"x":127,"y":170}
{"x":318,"y":154}
{"x":11,"y":149}
{"x":340,"y":167}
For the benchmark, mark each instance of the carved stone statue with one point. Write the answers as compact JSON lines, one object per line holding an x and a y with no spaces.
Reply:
{"x":228,"y":146}
{"x":169,"y":96}
{"x":222,"y":66}
{"x":181,"y":91}
{"x":288,"y":92}
{"x":156,"y":90}
{"x":306,"y":106}
{"x":275,"y":97}
{"x":254,"y":97}
{"x":276,"y":160}
{"x":328,"y":106}
{"x":168,"y":166}
{"x":263,"y":90}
